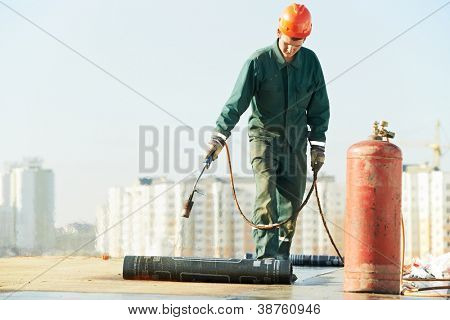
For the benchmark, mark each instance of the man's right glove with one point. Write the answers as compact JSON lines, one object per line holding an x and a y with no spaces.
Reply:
{"x":317,"y":157}
{"x":216,"y":144}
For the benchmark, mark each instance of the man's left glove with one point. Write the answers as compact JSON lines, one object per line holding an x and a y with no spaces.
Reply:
{"x":317,"y":157}
{"x":216,"y":144}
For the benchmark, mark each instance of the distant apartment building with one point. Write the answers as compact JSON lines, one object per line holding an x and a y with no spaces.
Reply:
{"x":138,"y":220}
{"x":426,"y":211}
{"x":27,"y":208}
{"x":145,"y":219}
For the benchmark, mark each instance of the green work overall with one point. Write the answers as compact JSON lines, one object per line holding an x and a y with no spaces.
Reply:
{"x":285,"y":99}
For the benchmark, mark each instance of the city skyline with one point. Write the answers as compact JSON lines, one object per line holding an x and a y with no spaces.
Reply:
{"x":145,"y":218}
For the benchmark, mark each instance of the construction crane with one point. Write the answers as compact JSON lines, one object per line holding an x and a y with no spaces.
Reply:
{"x":438,"y":149}
{"x":436,"y":146}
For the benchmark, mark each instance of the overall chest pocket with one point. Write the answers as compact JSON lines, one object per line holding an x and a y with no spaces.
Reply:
{"x":269,"y":96}
{"x":270,"y":86}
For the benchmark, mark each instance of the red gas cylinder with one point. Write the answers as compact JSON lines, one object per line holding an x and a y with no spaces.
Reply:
{"x":373,"y":218}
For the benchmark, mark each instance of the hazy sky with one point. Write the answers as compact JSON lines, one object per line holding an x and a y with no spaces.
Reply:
{"x":185,"y":56}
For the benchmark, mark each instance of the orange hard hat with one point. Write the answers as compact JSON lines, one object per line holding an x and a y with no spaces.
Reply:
{"x":295,"y":21}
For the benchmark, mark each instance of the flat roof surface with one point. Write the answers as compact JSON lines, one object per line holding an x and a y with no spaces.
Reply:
{"x":94,"y":278}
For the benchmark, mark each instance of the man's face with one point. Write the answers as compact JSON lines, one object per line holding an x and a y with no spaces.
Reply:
{"x":289,"y":46}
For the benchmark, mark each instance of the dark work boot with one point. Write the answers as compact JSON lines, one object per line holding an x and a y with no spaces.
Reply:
{"x":284,"y":250}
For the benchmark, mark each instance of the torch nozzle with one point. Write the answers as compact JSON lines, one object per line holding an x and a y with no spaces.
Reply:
{"x":187,"y":207}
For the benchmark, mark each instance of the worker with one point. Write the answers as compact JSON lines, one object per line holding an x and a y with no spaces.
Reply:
{"x":285,"y":85}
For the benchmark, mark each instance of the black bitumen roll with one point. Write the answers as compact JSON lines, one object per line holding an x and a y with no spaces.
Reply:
{"x":190,"y":269}
{"x":311,"y":260}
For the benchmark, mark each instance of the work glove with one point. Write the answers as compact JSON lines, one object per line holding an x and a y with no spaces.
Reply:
{"x":216,"y":145}
{"x":317,"y":157}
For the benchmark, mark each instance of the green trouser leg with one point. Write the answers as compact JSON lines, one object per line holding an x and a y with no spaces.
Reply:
{"x":280,"y":176}
{"x":264,"y":163}
{"x":291,"y":183}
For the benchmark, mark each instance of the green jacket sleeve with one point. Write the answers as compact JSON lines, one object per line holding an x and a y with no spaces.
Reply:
{"x":239,"y":100}
{"x":318,"y":112}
